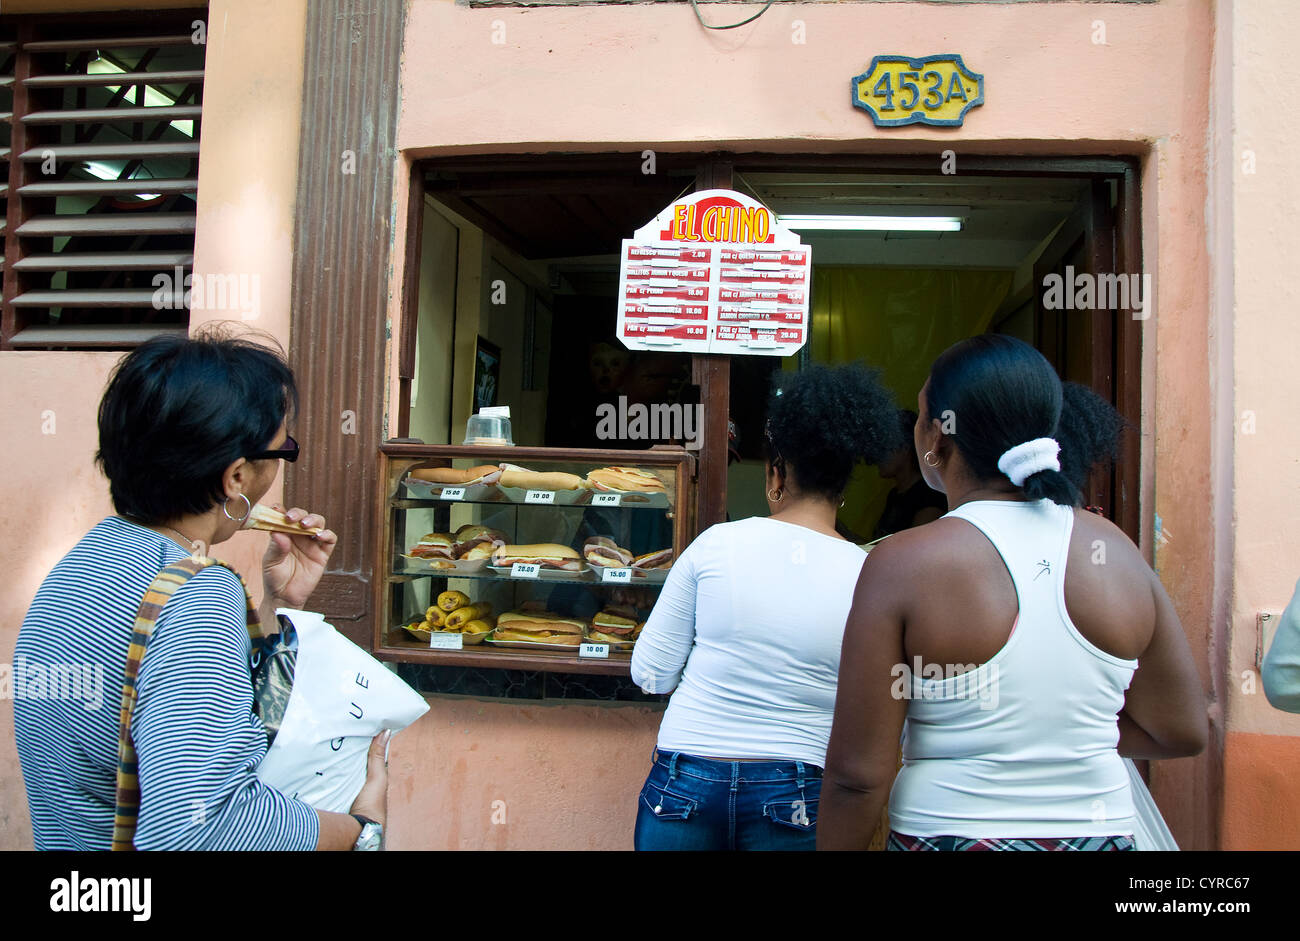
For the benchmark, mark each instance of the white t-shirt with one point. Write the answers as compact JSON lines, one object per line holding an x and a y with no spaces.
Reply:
{"x":747,"y":629}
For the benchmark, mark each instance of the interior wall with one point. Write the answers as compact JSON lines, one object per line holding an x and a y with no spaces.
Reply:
{"x":431,"y":387}
{"x":505,"y":314}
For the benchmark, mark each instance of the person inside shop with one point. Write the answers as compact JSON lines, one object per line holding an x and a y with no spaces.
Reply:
{"x":192,"y":433}
{"x":746,"y":633}
{"x":911,"y":502}
{"x":1019,"y":668}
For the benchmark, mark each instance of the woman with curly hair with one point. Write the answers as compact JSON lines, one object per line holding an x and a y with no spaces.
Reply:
{"x":747,"y":632}
{"x":1023,"y":646}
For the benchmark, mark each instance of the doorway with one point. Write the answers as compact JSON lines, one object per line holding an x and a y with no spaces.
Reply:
{"x":547,"y":229}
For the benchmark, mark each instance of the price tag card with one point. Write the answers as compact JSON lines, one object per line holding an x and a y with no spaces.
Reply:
{"x":525,"y":570}
{"x":607,"y":499}
{"x":593,"y":650}
{"x":453,"y":493}
{"x":440,"y":640}
{"x":539,"y":496}
{"x":619,"y":576}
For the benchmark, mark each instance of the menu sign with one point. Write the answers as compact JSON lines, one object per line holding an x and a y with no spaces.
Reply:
{"x":715,"y":272}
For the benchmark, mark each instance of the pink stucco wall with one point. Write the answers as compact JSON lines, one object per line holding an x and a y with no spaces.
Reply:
{"x":1219,"y":344}
{"x":1050,"y":89}
{"x":248,"y":166}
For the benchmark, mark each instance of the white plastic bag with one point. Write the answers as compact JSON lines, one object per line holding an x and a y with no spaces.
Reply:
{"x":1149,"y":829}
{"x":342,"y":698}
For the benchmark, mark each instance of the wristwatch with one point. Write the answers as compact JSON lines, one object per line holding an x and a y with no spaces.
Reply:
{"x":372,"y":834}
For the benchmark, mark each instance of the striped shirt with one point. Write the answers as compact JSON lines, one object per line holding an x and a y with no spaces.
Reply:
{"x":196,"y":736}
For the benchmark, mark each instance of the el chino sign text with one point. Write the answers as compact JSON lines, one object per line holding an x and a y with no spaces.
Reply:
{"x":719,"y":219}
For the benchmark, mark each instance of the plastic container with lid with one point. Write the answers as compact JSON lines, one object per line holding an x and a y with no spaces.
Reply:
{"x":487,"y":428}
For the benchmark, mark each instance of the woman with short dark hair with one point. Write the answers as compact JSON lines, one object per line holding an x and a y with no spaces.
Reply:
{"x":747,"y":632}
{"x":191,"y":434}
{"x":1023,"y":645}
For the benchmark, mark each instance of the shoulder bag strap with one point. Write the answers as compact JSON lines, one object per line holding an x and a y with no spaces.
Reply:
{"x":165,"y":584}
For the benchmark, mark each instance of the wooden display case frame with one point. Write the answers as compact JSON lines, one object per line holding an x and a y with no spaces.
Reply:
{"x":388,"y":645}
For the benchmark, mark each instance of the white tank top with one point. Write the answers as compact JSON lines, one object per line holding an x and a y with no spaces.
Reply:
{"x":1023,"y":746}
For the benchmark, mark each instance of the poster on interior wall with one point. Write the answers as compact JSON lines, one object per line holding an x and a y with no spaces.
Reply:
{"x":714,"y":272}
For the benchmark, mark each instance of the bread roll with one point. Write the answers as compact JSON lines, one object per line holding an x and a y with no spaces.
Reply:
{"x":540,"y":480}
{"x":454,"y":476}
{"x":451,"y":600}
{"x":471,"y":612}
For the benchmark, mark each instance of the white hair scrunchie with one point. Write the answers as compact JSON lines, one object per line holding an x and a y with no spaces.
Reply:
{"x":1025,"y":460}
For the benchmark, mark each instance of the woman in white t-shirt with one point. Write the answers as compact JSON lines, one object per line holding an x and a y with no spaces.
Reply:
{"x":747,"y":633}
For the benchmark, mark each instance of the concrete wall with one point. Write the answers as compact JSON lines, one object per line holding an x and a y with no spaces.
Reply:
{"x":248,"y":167}
{"x":1050,"y":89}
{"x":1254,"y":179}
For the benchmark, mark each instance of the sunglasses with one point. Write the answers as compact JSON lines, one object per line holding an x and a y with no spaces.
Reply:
{"x":289,"y":452}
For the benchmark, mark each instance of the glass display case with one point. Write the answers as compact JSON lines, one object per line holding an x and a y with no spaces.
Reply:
{"x":525,"y":558}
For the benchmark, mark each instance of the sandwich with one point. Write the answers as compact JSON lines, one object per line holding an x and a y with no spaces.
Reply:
{"x":602,"y":551}
{"x":625,"y":479}
{"x":524,"y":479}
{"x":539,"y":627}
{"x":454,"y":477}
{"x":472,"y":535}
{"x":483,"y":550}
{"x":609,"y":628}
{"x":275,"y":521}
{"x":433,"y":546}
{"x":546,"y":554}
{"x":663,"y":559}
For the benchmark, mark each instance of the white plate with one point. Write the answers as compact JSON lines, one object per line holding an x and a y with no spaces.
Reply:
{"x":458,"y":566}
{"x":546,"y":574}
{"x":562,"y":497}
{"x":427,"y":490}
{"x":469,"y":639}
{"x":530,"y":643}
{"x":635,"y":497}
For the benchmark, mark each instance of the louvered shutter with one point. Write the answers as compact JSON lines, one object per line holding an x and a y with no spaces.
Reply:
{"x":102,"y":180}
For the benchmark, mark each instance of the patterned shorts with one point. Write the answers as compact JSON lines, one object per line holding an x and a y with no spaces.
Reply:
{"x":901,"y":841}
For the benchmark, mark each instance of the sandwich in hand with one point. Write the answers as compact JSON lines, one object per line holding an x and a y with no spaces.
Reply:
{"x":546,"y":554}
{"x":539,"y":627}
{"x":663,"y":559}
{"x":276,"y":521}
{"x":609,"y":628}
{"x":602,"y":551}
{"x":625,"y":479}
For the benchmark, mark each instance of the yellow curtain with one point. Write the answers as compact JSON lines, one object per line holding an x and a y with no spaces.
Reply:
{"x":898,"y":320}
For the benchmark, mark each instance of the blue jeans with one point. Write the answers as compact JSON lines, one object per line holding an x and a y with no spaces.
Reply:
{"x":691,"y":803}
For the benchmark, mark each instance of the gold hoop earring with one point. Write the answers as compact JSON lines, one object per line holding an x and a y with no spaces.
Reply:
{"x":248,"y":508}
{"x":931,"y":459}
{"x":778,"y":497}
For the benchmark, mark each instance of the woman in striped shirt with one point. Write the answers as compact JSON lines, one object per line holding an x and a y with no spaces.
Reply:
{"x":191,"y":434}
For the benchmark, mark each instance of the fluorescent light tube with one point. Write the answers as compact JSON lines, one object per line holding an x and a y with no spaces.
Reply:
{"x":874,"y":223}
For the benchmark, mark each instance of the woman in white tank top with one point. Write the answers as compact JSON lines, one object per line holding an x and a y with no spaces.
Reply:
{"x":1020,"y":646}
